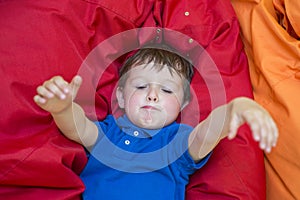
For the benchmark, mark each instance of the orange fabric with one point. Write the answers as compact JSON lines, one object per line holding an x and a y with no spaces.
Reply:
{"x":271,"y":31}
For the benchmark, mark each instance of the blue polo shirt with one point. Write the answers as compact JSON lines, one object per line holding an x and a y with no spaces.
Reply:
{"x":128,"y":162}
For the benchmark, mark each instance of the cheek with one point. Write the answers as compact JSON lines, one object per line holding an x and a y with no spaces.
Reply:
{"x":133,"y":99}
{"x":172,"y":105}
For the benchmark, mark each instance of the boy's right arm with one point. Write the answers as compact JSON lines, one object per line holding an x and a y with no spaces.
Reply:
{"x":56,"y":96}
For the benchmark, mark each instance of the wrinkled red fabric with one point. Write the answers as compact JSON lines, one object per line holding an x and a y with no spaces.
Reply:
{"x":39,"y":39}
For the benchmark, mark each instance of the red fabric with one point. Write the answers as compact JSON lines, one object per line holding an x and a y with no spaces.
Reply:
{"x":39,"y":39}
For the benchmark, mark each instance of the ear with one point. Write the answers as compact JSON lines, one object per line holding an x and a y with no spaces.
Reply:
{"x":120,"y":97}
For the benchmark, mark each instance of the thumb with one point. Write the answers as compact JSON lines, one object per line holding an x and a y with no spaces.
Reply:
{"x":75,"y":85}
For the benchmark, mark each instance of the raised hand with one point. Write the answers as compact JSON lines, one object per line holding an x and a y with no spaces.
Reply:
{"x":56,"y":94}
{"x":264,"y":129}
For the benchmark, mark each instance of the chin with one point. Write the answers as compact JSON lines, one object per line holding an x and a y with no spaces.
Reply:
{"x":147,"y":124}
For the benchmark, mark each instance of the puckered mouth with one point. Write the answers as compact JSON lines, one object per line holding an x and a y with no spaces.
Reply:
{"x":149,"y":107}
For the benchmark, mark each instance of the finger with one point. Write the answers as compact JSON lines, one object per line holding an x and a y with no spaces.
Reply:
{"x":259,"y":127}
{"x":266,"y":132}
{"x":253,"y":122}
{"x":39,"y":100}
{"x":61,"y":84}
{"x":43,"y":92}
{"x":275,"y":133}
{"x":54,"y":89}
{"x":75,"y":85}
{"x":263,"y":144}
{"x":256,"y":131}
{"x":271,"y":135}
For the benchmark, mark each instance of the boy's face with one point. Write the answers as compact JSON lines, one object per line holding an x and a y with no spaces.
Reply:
{"x":152,"y":99}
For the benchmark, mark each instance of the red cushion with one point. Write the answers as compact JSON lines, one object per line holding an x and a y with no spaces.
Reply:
{"x":40,"y":39}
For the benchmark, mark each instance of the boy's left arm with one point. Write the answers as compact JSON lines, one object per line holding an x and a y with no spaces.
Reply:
{"x":225,"y":120}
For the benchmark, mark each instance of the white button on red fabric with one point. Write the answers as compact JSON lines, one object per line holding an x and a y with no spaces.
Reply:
{"x":135,"y":133}
{"x":127,"y":142}
{"x":187,"y":13}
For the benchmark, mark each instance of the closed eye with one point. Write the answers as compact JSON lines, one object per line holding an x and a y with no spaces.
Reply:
{"x":167,"y":91}
{"x":141,"y":87}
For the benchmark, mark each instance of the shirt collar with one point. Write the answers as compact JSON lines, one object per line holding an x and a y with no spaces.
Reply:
{"x":129,"y":128}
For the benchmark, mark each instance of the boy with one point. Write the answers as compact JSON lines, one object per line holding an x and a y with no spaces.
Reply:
{"x":147,"y":154}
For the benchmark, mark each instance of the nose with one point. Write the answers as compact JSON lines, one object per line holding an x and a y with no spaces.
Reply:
{"x":152,"y":94}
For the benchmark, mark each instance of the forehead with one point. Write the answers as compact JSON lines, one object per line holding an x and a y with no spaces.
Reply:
{"x":153,"y":71}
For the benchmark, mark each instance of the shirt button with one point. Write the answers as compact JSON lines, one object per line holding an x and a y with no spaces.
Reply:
{"x":127,"y":142}
{"x":187,"y":13}
{"x":135,"y":133}
{"x":191,"y":40}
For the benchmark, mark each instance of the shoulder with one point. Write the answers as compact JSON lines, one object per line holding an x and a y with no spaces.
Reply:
{"x":178,"y":128}
{"x":177,"y":134}
{"x":106,"y":124}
